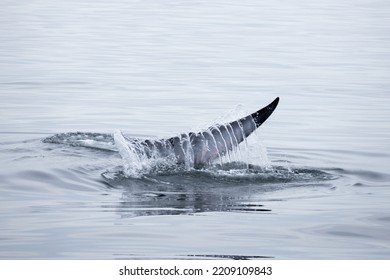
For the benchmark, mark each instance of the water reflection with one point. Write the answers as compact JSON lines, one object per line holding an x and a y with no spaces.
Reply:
{"x":186,"y":193}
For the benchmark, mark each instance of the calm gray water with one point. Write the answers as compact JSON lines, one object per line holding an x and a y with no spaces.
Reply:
{"x":320,"y":188}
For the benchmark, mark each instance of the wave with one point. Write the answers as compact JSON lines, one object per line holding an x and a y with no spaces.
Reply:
{"x":240,"y":166}
{"x":234,"y":174}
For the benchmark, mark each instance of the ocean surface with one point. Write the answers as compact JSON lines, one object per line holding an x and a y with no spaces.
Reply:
{"x":312,"y":183}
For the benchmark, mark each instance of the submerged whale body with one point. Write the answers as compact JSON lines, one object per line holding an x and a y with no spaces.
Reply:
{"x":200,"y":148}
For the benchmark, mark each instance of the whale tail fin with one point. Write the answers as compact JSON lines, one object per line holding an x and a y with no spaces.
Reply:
{"x":219,"y":140}
{"x":201,"y":148}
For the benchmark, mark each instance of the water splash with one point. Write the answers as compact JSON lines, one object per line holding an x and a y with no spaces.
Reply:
{"x":139,"y":158}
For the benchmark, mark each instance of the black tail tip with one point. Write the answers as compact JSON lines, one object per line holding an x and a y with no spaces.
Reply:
{"x":262,"y":115}
{"x":275,"y":102}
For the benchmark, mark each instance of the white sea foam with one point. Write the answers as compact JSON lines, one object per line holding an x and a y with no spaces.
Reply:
{"x":140,"y":159}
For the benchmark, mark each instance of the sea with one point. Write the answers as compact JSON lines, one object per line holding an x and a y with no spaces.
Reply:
{"x":313,"y":182}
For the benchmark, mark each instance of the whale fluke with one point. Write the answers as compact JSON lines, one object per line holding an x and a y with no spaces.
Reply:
{"x":201,"y":148}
